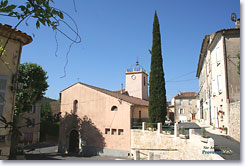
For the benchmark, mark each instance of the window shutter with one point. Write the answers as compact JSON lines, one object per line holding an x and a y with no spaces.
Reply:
{"x":217,"y":55}
{"x":183,"y":111}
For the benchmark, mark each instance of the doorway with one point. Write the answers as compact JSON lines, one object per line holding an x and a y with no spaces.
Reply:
{"x":193,"y":116}
{"x":74,"y":142}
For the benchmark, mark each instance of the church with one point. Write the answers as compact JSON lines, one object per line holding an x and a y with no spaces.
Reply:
{"x":98,"y":121}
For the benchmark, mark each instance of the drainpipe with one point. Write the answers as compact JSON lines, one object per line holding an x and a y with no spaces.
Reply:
{"x":226,"y":82}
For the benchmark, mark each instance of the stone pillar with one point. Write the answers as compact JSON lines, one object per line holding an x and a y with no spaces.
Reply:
{"x":137,"y":155}
{"x":159,"y":128}
{"x":211,"y":144}
{"x":191,"y":133}
{"x":176,"y":130}
{"x":143,"y":126}
{"x":150,"y":155}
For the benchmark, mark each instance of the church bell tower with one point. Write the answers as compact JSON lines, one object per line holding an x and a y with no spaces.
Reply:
{"x":137,"y":81}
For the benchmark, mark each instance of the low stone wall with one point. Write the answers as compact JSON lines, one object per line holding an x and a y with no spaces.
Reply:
{"x":234,"y":121}
{"x":155,"y":146}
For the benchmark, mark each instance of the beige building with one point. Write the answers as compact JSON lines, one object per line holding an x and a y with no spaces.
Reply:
{"x":219,"y":82}
{"x":9,"y":63}
{"x":185,"y":106}
{"x":101,"y":119}
{"x":30,"y":131}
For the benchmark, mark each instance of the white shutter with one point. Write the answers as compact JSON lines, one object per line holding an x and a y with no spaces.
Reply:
{"x":183,"y":111}
{"x":217,"y":56}
{"x":219,"y":81}
{"x":3,"y":86}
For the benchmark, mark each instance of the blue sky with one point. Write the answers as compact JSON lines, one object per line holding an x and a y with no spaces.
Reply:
{"x":115,"y":32}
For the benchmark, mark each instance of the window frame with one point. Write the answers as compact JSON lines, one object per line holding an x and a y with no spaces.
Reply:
{"x":34,"y":108}
{"x":120,"y":131}
{"x":181,"y":101}
{"x":114,"y":108}
{"x":75,"y":106}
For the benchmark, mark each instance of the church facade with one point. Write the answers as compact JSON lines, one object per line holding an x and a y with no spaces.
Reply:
{"x":98,"y":121}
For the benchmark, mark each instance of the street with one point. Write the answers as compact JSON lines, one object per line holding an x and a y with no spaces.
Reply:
{"x":221,"y":141}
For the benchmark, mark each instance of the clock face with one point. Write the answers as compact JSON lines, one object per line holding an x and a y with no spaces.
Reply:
{"x":133,"y":77}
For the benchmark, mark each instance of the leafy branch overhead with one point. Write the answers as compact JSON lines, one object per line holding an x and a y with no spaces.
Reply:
{"x":38,"y":9}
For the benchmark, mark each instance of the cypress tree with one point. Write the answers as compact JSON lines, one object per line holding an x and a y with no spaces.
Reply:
{"x":157,"y":91}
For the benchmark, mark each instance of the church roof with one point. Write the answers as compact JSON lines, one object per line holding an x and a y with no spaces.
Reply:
{"x":118,"y":95}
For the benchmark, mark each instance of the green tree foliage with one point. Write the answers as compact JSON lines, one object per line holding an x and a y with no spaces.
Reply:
{"x":157,"y":91}
{"x":40,"y":10}
{"x":34,"y":81}
{"x":238,"y":66}
{"x":49,"y":122}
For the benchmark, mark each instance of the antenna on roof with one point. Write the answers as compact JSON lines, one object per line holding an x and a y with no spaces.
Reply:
{"x":235,"y":19}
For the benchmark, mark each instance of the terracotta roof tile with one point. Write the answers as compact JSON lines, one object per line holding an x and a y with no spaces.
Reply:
{"x":5,"y":31}
{"x":186,"y":95}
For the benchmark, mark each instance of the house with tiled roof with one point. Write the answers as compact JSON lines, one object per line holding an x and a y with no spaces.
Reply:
{"x":9,"y":63}
{"x":102,"y":119}
{"x":185,"y":106}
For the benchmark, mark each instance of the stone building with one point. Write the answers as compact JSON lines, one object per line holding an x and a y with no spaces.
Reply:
{"x":219,"y":81}
{"x":101,"y":119}
{"x":185,"y":106}
{"x":9,"y":63}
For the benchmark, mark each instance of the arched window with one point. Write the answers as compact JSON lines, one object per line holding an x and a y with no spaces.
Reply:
{"x":75,"y":102}
{"x":114,"y":108}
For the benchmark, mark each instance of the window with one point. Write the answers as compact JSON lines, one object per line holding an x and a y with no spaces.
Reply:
{"x":120,"y":131}
{"x":28,"y":122}
{"x":190,"y":101}
{"x":75,"y":106}
{"x":107,"y":131}
{"x":181,"y":111}
{"x":3,"y":87}
{"x":219,"y":82}
{"x":33,"y":122}
{"x":113,"y":131}
{"x":144,"y":81}
{"x":217,"y":56}
{"x":181,"y":102}
{"x":34,"y":109}
{"x":139,"y":114}
{"x":114,"y":108}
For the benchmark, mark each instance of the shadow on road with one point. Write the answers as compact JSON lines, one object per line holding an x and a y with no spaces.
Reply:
{"x":221,"y":142}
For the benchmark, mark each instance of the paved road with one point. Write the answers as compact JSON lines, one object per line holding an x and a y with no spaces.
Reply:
{"x":221,"y":141}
